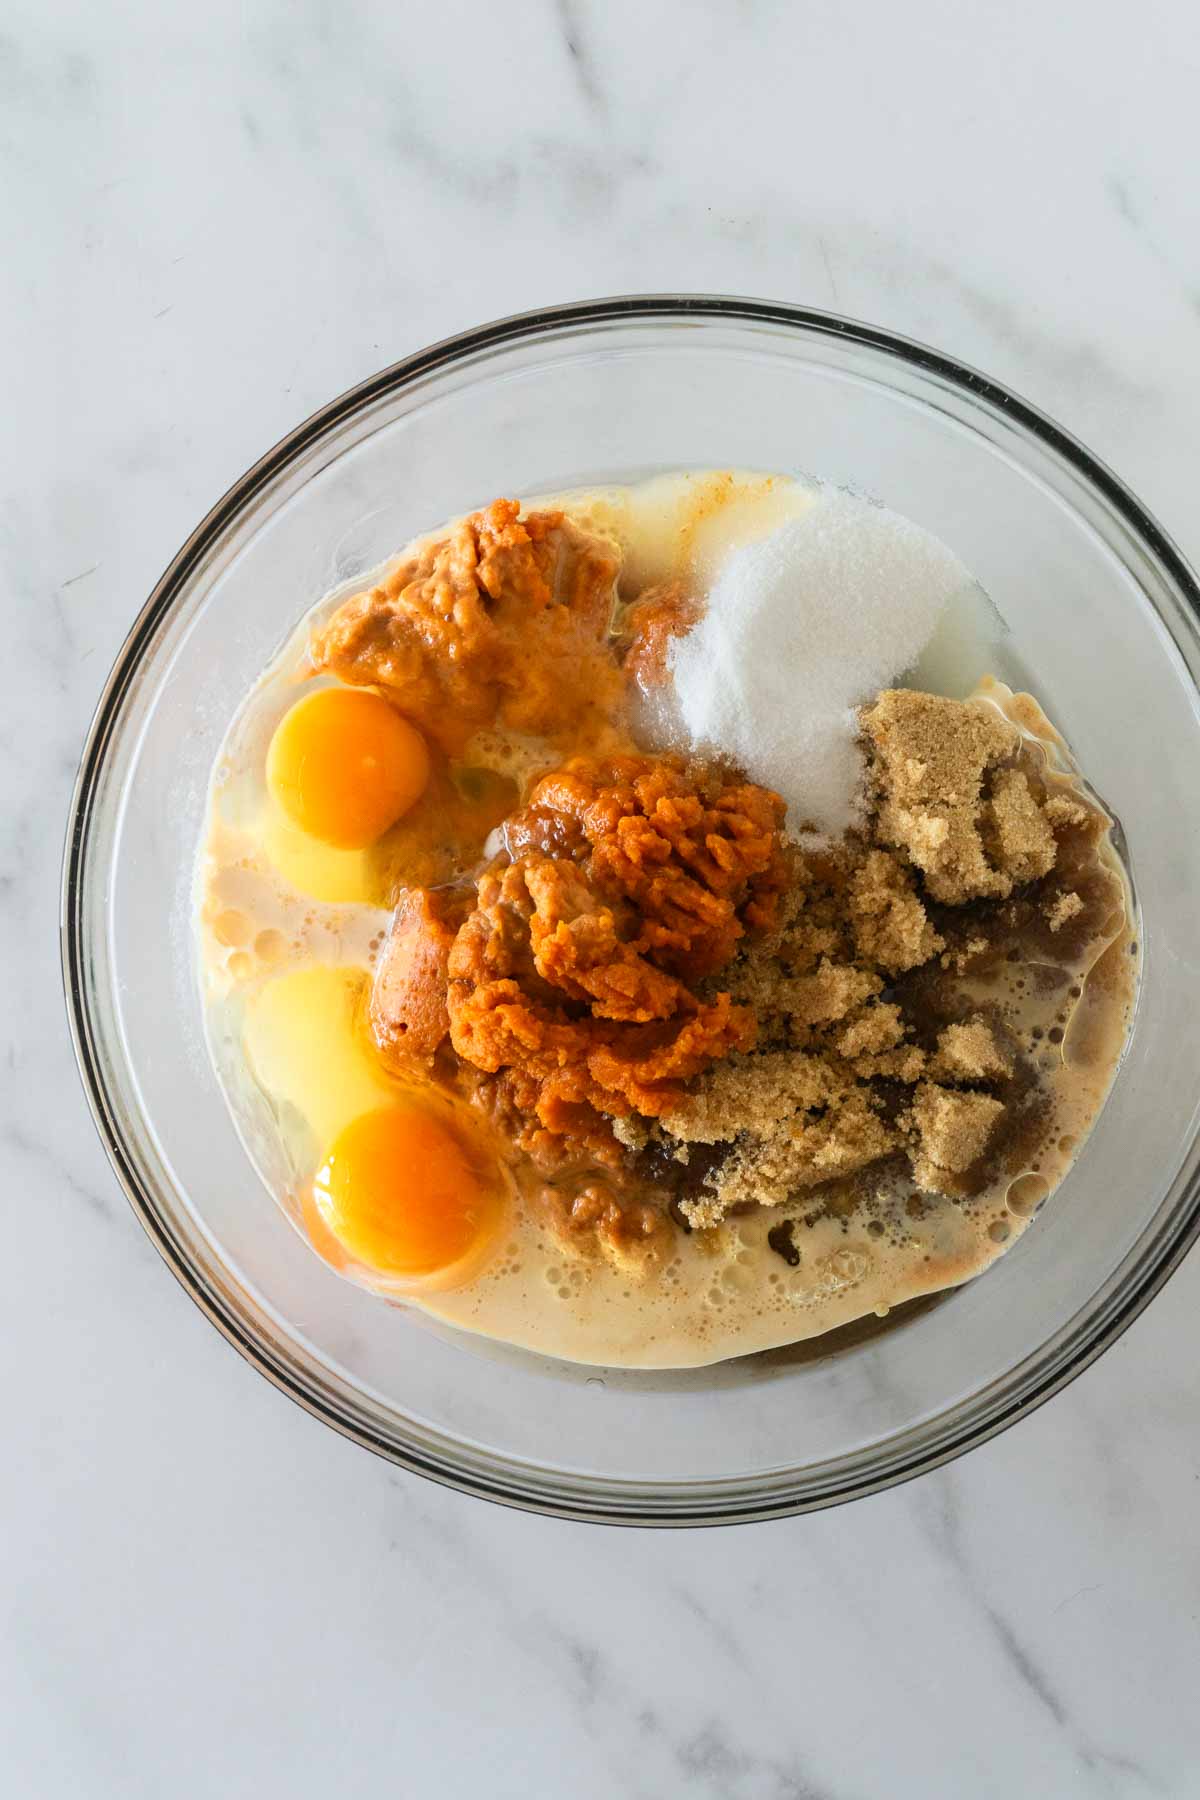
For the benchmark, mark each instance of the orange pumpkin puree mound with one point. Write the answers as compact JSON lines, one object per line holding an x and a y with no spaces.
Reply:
{"x":503,"y":621}
{"x":570,"y":983}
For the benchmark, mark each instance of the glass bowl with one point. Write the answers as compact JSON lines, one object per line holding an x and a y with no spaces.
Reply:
{"x":1104,"y":612}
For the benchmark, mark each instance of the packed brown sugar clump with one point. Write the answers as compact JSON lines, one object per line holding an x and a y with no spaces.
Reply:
{"x":848,"y":1071}
{"x":953,"y":800}
{"x":503,"y":622}
{"x":881,"y":1033}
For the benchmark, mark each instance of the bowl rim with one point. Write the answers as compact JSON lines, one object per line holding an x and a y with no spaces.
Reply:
{"x":614,"y":1503}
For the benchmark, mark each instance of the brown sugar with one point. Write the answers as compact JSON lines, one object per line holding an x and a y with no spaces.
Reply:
{"x":952,"y":1130}
{"x":846,"y":1075}
{"x":906,"y":1063}
{"x":796,"y":1120}
{"x":949,"y":797}
{"x":877,"y":1028}
{"x":753,"y":1094}
{"x":1017,"y":832}
{"x":1060,"y":809}
{"x":970,"y":1052}
{"x":827,"y":995}
{"x":1062,"y":909}
{"x":891,"y":926}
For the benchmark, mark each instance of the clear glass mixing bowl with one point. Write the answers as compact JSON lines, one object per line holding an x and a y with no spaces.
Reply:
{"x":1103,"y":610}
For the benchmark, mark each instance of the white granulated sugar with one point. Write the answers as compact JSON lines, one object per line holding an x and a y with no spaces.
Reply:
{"x":799,"y":630}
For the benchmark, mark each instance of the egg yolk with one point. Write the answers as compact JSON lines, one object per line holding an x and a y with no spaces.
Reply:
{"x":344,"y":766}
{"x":402,"y":1195}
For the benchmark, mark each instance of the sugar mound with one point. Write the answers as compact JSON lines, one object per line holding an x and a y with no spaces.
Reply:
{"x":799,"y":630}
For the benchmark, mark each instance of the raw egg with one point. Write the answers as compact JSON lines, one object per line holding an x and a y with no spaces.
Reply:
{"x":345,"y":765}
{"x":402,"y":1194}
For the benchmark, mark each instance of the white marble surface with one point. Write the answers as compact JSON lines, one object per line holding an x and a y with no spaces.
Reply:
{"x":215,"y":219}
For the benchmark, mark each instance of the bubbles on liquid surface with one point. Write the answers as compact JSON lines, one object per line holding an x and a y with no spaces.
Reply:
{"x":1026,"y":1194}
{"x":232,"y":928}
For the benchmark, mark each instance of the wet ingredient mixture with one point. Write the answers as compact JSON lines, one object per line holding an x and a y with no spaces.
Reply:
{"x":600,"y":1042}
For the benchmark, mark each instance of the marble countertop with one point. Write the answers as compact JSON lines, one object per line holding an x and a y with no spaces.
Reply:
{"x":215,"y":219}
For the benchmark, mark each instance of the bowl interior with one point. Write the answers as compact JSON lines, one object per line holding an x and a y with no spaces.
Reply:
{"x":1101,"y":617}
